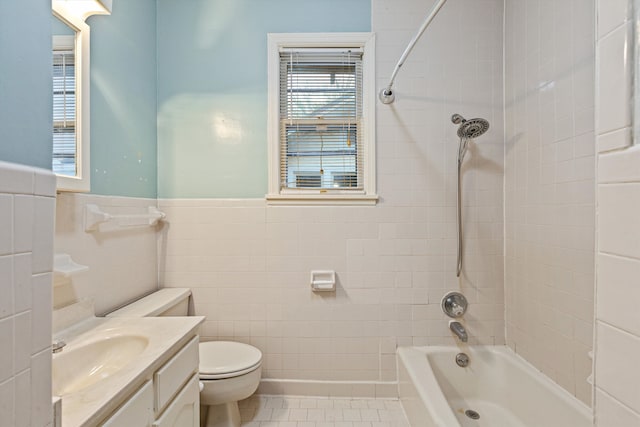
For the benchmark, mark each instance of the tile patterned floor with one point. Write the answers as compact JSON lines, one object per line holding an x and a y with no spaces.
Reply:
{"x":290,"y":411}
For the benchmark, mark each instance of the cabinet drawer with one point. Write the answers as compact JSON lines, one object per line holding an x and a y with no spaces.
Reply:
{"x":171,"y":377}
{"x":136,"y":411}
{"x":184,"y":411}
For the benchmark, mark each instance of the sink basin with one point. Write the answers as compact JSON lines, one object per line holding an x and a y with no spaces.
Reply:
{"x":78,"y":367}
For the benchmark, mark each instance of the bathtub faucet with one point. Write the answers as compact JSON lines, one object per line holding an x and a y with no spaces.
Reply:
{"x":459,"y":330}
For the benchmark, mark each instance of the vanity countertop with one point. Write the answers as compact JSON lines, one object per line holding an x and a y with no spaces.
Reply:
{"x":93,"y":403}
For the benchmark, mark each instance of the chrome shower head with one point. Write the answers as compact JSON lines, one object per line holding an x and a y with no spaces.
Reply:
{"x":470,"y":128}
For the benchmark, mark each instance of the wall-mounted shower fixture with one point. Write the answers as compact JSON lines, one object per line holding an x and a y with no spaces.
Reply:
{"x":454,"y":304}
{"x":459,"y":330}
{"x":386,"y":95}
{"x":468,"y":129}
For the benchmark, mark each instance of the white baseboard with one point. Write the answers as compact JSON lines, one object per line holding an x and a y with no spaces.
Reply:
{"x":352,"y":389}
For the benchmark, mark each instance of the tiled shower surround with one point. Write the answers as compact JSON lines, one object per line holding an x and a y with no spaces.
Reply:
{"x":549,"y":187}
{"x":249,"y":264}
{"x":617,"y":402}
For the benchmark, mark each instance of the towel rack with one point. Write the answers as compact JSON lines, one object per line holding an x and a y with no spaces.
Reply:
{"x":94,"y":216}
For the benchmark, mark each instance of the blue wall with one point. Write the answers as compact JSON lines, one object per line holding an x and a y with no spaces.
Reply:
{"x":25,"y":82}
{"x":198,"y":129}
{"x":123,"y":100}
{"x":212,"y":87}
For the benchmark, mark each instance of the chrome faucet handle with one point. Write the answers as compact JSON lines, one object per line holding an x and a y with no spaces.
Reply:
{"x":457,"y":310}
{"x":454,"y":304}
{"x":57,"y":346}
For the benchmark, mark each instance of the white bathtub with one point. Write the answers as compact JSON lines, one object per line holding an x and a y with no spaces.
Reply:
{"x":502,"y":388}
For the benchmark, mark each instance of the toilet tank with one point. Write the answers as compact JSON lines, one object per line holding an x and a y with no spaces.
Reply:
{"x":165,"y":302}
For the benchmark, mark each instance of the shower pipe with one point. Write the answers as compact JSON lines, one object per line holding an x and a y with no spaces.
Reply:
{"x":386,"y":95}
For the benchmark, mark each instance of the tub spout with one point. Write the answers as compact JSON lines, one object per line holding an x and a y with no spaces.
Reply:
{"x":459,"y":330}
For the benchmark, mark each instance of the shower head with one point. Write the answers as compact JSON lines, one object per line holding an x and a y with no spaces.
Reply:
{"x":470,"y":128}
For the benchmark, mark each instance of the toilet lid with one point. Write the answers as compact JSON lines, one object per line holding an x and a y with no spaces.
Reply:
{"x":223,"y":359}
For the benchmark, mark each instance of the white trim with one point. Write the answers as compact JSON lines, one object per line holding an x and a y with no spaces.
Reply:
{"x":81,"y":182}
{"x":275,"y":43}
{"x":321,"y":199}
{"x":331,"y":389}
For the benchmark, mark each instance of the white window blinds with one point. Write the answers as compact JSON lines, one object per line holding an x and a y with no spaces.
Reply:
{"x":321,"y":131}
{"x":64,"y":113}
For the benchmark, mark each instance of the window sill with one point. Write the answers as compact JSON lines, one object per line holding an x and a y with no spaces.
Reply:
{"x":72,"y":184}
{"x":321,"y":199}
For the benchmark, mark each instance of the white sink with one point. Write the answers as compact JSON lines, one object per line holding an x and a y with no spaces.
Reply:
{"x":85,"y":364}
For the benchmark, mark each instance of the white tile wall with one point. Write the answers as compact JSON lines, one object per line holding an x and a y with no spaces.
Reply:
{"x":614,"y":374}
{"x":122,"y":261}
{"x":612,"y":14}
{"x":617,"y":317}
{"x":27,"y":198}
{"x":618,"y":213}
{"x":248,"y":264}
{"x":615,"y":78}
{"x":611,"y":413}
{"x":550,"y":186}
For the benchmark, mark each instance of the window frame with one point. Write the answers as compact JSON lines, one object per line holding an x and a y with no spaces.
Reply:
{"x":364,"y":41}
{"x":81,"y":182}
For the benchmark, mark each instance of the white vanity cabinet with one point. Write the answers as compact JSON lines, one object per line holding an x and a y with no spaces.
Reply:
{"x":185,"y":409}
{"x":170,"y":399}
{"x":136,"y":411}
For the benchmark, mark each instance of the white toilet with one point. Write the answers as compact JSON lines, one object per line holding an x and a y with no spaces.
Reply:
{"x":229,"y":371}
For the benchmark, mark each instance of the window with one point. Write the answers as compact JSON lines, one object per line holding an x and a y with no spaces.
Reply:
{"x":70,"y":133}
{"x":321,"y":118}
{"x":64,"y":106}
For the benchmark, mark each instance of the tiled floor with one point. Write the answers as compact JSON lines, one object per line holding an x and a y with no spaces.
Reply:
{"x":289,"y":411}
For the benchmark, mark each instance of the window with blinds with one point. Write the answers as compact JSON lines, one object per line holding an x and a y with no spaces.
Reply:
{"x":321,"y":118}
{"x":64,"y":113}
{"x":321,"y":132}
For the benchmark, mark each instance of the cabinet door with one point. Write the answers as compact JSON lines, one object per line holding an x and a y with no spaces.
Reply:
{"x":176,"y":372}
{"x":184,"y":411}
{"x":135,"y":412}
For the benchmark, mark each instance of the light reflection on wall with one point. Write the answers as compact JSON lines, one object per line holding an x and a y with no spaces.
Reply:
{"x":228,"y":130}
{"x":212,"y":144}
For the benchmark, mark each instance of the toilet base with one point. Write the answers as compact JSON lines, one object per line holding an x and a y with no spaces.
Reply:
{"x":222,"y":415}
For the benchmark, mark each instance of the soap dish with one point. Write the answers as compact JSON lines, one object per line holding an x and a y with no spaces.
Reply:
{"x":65,"y":266}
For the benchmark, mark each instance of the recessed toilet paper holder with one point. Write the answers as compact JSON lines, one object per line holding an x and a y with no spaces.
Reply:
{"x":323,"y":280}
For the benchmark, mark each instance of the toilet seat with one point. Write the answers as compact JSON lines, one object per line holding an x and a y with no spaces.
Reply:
{"x":227,"y":359}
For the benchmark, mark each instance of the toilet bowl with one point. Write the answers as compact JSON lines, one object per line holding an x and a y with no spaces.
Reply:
{"x":229,"y":371}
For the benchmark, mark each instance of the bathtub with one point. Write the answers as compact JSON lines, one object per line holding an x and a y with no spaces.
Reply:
{"x":503,"y":389}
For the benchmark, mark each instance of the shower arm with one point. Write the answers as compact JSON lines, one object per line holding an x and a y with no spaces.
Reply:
{"x":386,"y":95}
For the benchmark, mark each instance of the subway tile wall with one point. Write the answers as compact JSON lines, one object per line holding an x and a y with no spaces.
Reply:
{"x":27,"y":209}
{"x":122,"y":261}
{"x":618,"y":227}
{"x":550,"y":186}
{"x":248,"y":264}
